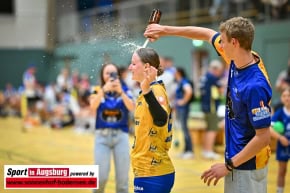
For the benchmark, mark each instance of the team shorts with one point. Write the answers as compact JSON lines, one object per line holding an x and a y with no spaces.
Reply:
{"x":242,"y":181}
{"x":154,"y":184}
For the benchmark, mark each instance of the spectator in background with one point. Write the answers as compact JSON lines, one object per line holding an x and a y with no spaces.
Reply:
{"x":85,"y":119}
{"x":282,"y":82}
{"x":3,"y":111}
{"x":65,"y":110}
{"x":125,"y":81}
{"x":278,"y":8}
{"x":84,"y":85}
{"x":50,"y":100}
{"x":29,"y":81}
{"x":168,"y":76}
{"x":183,"y":96}
{"x":29,"y":98}
{"x":112,"y":102}
{"x":64,"y":80}
{"x":12,"y":100}
{"x":210,"y":91}
{"x":282,"y":115}
{"x":75,"y":77}
{"x":123,"y":75}
{"x":224,"y":5}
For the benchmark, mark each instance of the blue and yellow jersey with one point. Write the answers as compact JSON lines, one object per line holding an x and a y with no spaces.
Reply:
{"x":248,"y":109}
{"x":112,"y":112}
{"x":149,"y":154}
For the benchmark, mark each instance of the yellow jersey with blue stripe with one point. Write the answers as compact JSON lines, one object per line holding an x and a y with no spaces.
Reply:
{"x":149,"y":155}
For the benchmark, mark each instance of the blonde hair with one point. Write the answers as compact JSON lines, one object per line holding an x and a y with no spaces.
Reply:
{"x":241,"y":29}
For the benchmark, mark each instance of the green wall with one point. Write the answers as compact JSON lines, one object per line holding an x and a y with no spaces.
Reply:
{"x":272,"y":42}
{"x":13,"y":63}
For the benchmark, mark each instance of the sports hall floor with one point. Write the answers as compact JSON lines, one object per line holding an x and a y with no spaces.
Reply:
{"x":45,"y":146}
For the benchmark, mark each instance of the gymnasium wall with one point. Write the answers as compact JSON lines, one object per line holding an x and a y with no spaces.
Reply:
{"x":272,"y":42}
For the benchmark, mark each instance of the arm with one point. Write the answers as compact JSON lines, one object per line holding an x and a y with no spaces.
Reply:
{"x":219,"y":170}
{"x":187,"y":95}
{"x":259,"y":141}
{"x":284,"y":141}
{"x":129,"y":103}
{"x":95,"y":99}
{"x":117,"y":86}
{"x":159,"y":115}
{"x":154,"y":31}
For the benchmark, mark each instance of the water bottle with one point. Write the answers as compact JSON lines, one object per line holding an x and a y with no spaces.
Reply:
{"x":155,"y":16}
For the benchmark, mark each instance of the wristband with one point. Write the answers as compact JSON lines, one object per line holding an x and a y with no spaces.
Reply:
{"x":228,"y":167}
{"x":229,"y":164}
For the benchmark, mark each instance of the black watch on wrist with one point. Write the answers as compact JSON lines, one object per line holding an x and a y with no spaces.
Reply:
{"x":229,"y":163}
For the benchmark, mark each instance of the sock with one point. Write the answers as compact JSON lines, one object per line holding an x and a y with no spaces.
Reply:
{"x":280,"y":189}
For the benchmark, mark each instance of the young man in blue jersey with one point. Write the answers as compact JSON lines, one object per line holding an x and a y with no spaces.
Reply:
{"x":248,"y":114}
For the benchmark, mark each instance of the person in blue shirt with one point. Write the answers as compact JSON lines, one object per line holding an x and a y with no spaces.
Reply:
{"x":112,"y":102}
{"x":183,"y":95}
{"x":211,"y":88}
{"x":282,"y":115}
{"x":248,"y":112}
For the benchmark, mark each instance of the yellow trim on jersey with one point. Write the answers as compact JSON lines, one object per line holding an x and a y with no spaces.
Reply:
{"x":220,"y":50}
{"x":263,"y":157}
{"x":149,"y":155}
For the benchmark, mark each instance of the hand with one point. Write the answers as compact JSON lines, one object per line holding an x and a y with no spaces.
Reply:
{"x":108,"y":86}
{"x":117,"y":86}
{"x":283,"y":140}
{"x":216,"y":172}
{"x":150,"y":75}
{"x":153,"y":32}
{"x":180,"y":102}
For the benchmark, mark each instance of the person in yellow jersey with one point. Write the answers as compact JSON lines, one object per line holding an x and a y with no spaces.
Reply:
{"x":152,"y":166}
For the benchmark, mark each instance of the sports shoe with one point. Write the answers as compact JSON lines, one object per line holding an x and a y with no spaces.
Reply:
{"x":187,"y":155}
{"x":210,"y":155}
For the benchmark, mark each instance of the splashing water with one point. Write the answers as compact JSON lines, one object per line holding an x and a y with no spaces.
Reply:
{"x":145,"y":43}
{"x":131,"y":46}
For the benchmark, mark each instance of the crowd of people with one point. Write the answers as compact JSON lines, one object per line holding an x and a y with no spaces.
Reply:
{"x":61,"y":103}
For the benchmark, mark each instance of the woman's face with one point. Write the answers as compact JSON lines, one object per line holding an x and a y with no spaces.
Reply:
{"x":137,"y":68}
{"x":108,"y":70}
